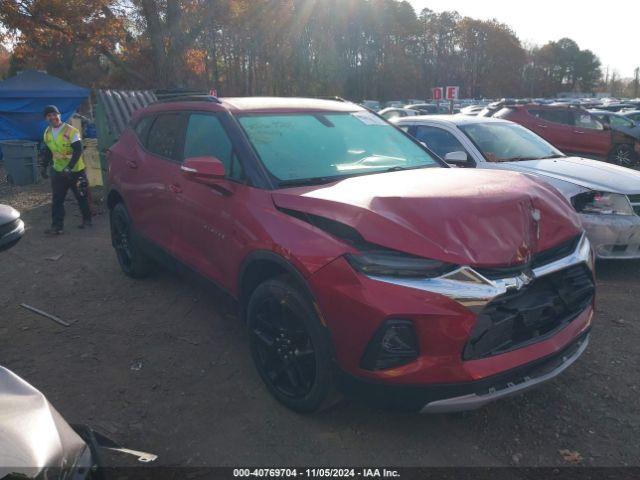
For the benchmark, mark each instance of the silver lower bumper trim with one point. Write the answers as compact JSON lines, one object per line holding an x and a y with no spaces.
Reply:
{"x":473,"y":401}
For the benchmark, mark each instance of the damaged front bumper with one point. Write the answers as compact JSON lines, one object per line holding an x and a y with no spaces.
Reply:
{"x":503,"y":389}
{"x":613,"y":236}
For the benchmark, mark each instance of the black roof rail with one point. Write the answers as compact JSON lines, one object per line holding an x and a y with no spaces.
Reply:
{"x":189,"y":98}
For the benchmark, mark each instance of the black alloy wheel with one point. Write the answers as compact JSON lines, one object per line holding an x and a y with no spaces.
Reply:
{"x":623,"y":155}
{"x":290,"y":347}
{"x":133,"y":262}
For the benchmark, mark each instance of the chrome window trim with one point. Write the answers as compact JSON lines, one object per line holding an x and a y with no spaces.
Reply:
{"x":474,"y":291}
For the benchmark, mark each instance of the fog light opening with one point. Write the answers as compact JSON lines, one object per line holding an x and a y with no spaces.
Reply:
{"x":394,"y":344}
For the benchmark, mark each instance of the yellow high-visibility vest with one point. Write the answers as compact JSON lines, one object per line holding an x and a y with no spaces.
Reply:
{"x":61,"y":147}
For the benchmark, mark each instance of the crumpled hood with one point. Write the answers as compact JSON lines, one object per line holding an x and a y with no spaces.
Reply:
{"x":462,"y":216}
{"x":591,"y":174}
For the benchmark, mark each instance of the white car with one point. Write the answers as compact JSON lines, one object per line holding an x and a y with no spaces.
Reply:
{"x":397,"y":112}
{"x":606,"y":196}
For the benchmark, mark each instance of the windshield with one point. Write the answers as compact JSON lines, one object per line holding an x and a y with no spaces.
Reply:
{"x":507,"y":142}
{"x":321,"y":147}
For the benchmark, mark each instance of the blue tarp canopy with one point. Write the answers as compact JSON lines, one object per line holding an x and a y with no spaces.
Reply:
{"x":23,"y":97}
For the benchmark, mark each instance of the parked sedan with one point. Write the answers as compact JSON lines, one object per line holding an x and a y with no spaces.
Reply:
{"x":574,"y":131}
{"x":389,"y":113}
{"x":11,"y":227}
{"x":618,"y":122}
{"x":606,"y":196}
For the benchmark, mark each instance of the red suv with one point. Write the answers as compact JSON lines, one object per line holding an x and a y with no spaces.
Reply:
{"x":575,"y":131}
{"x":361,"y":262}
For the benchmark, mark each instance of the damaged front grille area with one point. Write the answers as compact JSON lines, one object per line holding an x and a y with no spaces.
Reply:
{"x":537,"y":260}
{"x":531,"y":314}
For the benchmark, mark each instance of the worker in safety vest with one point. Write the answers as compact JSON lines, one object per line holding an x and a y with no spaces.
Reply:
{"x":64,"y":152}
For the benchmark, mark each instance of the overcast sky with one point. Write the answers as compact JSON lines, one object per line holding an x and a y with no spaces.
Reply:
{"x":609,"y":28}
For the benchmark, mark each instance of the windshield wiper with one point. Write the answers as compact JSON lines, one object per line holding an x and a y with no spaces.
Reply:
{"x":555,"y":155}
{"x":523,"y":159}
{"x":303,"y":182}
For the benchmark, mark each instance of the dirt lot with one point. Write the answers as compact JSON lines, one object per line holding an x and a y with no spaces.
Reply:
{"x":163,"y":365}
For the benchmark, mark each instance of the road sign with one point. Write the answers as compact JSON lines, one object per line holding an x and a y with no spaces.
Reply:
{"x":436,"y":93}
{"x":452,"y":93}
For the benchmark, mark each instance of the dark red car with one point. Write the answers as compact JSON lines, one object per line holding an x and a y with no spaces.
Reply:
{"x":575,"y":131}
{"x":361,"y":262}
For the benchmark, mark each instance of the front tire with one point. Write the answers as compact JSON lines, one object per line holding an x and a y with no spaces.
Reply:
{"x":133,"y":261}
{"x":623,"y":155}
{"x":290,"y":347}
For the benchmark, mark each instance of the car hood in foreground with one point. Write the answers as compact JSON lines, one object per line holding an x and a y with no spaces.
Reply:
{"x":33,"y":435}
{"x":8,"y":214}
{"x":591,"y":174}
{"x":461,"y":216}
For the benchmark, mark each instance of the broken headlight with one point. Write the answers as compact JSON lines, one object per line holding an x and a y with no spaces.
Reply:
{"x":391,"y":263}
{"x":602,"y":203}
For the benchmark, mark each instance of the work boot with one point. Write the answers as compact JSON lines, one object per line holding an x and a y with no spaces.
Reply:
{"x":86,"y":224}
{"x":54,"y":230}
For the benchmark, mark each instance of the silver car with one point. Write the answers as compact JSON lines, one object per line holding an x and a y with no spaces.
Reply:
{"x":606,"y":196}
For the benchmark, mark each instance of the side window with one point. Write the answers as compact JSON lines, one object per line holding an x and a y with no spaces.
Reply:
{"x":206,"y":137}
{"x":586,"y":120}
{"x":617,"y":121}
{"x":563,"y":117}
{"x":142,"y":128}
{"x":165,"y":136}
{"x":439,"y":140}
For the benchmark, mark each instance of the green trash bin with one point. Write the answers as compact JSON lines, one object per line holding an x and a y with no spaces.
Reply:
{"x":20,"y":158}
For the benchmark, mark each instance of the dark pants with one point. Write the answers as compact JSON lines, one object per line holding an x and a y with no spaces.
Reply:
{"x":79,"y":185}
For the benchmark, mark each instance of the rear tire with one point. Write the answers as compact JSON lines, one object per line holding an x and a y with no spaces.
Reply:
{"x":133,"y":261}
{"x":290,"y":347}
{"x":623,"y":155}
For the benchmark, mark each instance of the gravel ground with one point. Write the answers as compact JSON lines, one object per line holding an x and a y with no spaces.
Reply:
{"x":163,"y":366}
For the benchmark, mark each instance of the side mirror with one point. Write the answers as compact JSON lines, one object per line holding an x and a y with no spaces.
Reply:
{"x":206,"y":170}
{"x":456,"y":157}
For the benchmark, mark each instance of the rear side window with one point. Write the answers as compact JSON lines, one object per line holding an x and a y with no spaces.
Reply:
{"x":165,"y":136}
{"x":206,"y":137}
{"x":563,"y":117}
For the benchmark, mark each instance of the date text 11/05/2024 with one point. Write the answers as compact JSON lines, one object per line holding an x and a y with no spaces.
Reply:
{"x":316,"y":473}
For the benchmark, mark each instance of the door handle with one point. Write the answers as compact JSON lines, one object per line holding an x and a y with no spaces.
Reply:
{"x":173,"y":188}
{"x":132,"y":164}
{"x":577,"y":131}
{"x":541,"y":126}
